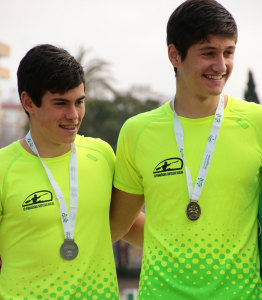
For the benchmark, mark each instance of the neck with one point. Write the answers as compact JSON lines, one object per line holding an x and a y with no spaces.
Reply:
{"x":45,"y":152}
{"x":196,"y":107}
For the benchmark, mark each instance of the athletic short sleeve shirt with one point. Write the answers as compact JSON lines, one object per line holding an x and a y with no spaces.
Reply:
{"x":31,"y":231}
{"x":215,"y":257}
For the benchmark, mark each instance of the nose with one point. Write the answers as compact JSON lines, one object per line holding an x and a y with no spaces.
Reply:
{"x":72,"y":113}
{"x":220,"y":64}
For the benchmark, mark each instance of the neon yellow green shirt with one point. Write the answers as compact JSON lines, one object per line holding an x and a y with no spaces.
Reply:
{"x":31,"y":231}
{"x":215,"y":257}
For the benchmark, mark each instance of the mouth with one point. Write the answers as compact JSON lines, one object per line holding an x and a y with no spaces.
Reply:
{"x":69,"y":127}
{"x":215,"y":77}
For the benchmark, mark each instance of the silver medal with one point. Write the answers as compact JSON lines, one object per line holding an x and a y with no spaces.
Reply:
{"x":69,"y":250}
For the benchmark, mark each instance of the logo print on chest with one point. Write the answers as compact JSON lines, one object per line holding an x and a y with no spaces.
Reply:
{"x":169,"y":166}
{"x":38,"y":199}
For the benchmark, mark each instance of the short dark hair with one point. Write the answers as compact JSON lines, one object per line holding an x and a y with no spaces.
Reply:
{"x":48,"y":68}
{"x":194,"y":20}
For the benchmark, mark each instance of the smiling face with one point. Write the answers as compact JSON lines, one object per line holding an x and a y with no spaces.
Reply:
{"x":206,"y":68}
{"x":55,"y":123}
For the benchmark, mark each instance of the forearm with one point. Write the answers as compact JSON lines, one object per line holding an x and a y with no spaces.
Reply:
{"x":118,"y":229}
{"x":135,"y":235}
{"x":125,"y":219}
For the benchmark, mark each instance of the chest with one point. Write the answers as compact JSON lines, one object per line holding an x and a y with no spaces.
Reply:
{"x":30,"y":198}
{"x":236,"y":158}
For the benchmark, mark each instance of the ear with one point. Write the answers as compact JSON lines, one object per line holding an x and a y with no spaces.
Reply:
{"x":27,"y":102}
{"x":174,"y":55}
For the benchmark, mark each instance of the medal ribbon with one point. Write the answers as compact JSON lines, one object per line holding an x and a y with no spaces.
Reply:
{"x":194,"y":192}
{"x":68,"y":218}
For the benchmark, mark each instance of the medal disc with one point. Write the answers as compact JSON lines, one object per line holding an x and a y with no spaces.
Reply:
{"x":69,"y":250}
{"x":193,"y":211}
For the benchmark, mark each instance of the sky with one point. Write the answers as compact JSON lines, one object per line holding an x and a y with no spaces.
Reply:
{"x":129,"y":34}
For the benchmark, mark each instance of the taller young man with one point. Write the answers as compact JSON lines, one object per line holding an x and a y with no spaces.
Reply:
{"x":196,"y":164}
{"x":55,"y":191}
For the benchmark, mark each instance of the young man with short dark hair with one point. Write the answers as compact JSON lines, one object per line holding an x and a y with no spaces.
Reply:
{"x":55,"y":191}
{"x":195,"y":163}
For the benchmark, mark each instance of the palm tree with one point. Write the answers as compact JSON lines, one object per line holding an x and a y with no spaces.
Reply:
{"x":97,"y":76}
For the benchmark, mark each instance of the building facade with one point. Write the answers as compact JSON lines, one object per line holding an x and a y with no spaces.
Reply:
{"x":4,"y":72}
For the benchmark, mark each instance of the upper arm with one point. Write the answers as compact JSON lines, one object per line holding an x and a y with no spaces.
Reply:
{"x":1,"y":210}
{"x":127,"y":196}
{"x":123,"y":211}
{"x":128,"y":175}
{"x":125,"y":205}
{"x":1,"y":203}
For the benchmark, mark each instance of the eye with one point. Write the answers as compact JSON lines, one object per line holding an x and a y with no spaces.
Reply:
{"x":209,"y":53}
{"x":59,"y":103}
{"x":229,"y":53}
{"x":80,"y":101}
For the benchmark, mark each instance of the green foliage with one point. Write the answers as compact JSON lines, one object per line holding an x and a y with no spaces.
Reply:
{"x":250,"y":92}
{"x":104,"y":118}
{"x":98,"y":78}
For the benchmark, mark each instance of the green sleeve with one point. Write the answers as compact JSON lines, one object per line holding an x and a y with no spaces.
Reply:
{"x":260,"y":237}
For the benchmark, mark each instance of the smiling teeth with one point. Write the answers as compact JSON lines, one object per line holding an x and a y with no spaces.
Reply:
{"x":215,"y":77}
{"x":69,"y":127}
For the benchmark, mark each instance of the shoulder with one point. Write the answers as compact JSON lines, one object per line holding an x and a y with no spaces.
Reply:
{"x":8,"y":149}
{"x":92,"y":143}
{"x":9,"y":153}
{"x":141,"y":121}
{"x":96,"y":147}
{"x":8,"y":157}
{"x":249,"y":110}
{"x":242,"y":106}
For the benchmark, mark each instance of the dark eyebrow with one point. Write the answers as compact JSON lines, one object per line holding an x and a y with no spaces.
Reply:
{"x":214,"y":48}
{"x":64,"y":99}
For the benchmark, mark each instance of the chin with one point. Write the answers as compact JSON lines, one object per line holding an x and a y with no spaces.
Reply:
{"x":69,"y":140}
{"x":215,"y":92}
